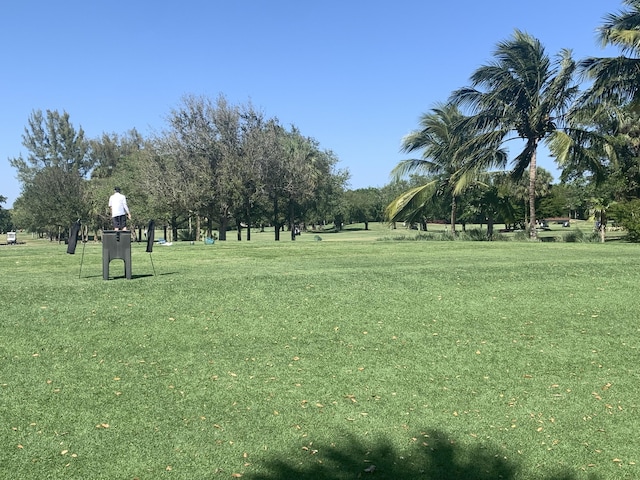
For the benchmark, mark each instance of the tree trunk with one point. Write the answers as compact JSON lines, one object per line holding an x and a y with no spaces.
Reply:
{"x":239,"y":229}
{"x":276,"y":225}
{"x":366,"y":225}
{"x":292,"y":227}
{"x":490,"y":227}
{"x":174,"y":228}
{"x":209,"y":227}
{"x":533,"y":233}
{"x":453,"y":216}
{"x":248,"y":223}
{"x":222,"y":229}
{"x":603,"y":225}
{"x":224,"y":223}
{"x":198,"y":226}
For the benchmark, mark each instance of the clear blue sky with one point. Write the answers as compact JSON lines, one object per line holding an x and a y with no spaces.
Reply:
{"x":354,"y":74}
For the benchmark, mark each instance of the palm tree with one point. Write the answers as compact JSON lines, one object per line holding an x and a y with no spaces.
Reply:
{"x":521,"y":95}
{"x":617,"y":78}
{"x":603,"y":135}
{"x":440,"y":140}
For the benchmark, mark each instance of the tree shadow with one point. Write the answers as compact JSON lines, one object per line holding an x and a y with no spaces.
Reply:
{"x":433,"y":456}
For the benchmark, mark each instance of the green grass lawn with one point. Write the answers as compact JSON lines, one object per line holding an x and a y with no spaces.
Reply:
{"x":336,"y":359}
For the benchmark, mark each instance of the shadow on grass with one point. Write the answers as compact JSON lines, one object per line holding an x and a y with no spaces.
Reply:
{"x":434,"y":456}
{"x":133,"y":277}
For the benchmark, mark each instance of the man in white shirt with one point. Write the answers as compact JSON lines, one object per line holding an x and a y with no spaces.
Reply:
{"x":119,"y":210}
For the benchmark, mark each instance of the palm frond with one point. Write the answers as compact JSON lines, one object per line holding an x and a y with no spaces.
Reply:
{"x":615,"y":77}
{"x":522,"y":161}
{"x":410,"y":203}
{"x":412,"y":165}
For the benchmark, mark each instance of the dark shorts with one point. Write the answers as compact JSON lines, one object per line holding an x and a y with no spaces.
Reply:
{"x":120,"y":221}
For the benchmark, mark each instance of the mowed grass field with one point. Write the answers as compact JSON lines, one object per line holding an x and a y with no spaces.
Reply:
{"x":336,"y":359}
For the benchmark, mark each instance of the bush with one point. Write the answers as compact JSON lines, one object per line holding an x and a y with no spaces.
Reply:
{"x":578,"y":236}
{"x":479,"y":235}
{"x":438,"y":236}
{"x":472,"y":235}
{"x":627,"y":215}
{"x":521,"y":235}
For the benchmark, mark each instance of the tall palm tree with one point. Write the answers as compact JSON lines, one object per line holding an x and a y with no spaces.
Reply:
{"x":440,"y":141}
{"x":522,"y":95}
{"x":603,"y":135}
{"x":617,"y":78}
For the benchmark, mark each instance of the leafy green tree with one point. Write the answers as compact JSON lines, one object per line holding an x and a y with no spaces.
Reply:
{"x":116,"y":160}
{"x":210,"y":149}
{"x":107,"y":151}
{"x":329,"y":203}
{"x":576,"y":195}
{"x":555,"y":203}
{"x":228,"y":166}
{"x":230,"y":162}
{"x":5,"y":217}
{"x":365,"y":205}
{"x":159,"y":176}
{"x":54,"y":199}
{"x":52,"y":141}
{"x":273,"y":169}
{"x":627,"y":215}
{"x":493,"y":200}
{"x":53,"y":174}
{"x":522,"y":95}
{"x":254,"y":144}
{"x":300,"y":154}
{"x":187,"y":159}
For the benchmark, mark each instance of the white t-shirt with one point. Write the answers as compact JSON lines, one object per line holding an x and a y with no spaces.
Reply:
{"x":118,"y":204}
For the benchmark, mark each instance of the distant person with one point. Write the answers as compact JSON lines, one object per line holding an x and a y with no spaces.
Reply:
{"x":119,"y":210}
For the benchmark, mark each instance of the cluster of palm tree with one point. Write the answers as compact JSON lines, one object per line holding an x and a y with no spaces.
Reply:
{"x":526,"y":97}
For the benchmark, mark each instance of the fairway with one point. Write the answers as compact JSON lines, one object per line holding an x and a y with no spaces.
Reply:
{"x":344,"y":358}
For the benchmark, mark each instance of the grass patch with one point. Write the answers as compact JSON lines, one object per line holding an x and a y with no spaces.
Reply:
{"x":312,"y":359}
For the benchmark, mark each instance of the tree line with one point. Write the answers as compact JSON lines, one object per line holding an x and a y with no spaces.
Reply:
{"x":218,"y":166}
{"x":525,"y":96}
{"x":214,"y":166}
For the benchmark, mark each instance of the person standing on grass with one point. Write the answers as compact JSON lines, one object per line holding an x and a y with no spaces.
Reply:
{"x":119,"y":210}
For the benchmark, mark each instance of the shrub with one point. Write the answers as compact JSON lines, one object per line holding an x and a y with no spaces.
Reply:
{"x":475,"y":235}
{"x":575,"y":236}
{"x":627,"y":215}
{"x":521,"y":235}
{"x":578,"y":236}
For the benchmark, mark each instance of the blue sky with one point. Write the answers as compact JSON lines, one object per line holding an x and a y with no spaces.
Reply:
{"x":355,"y":75}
